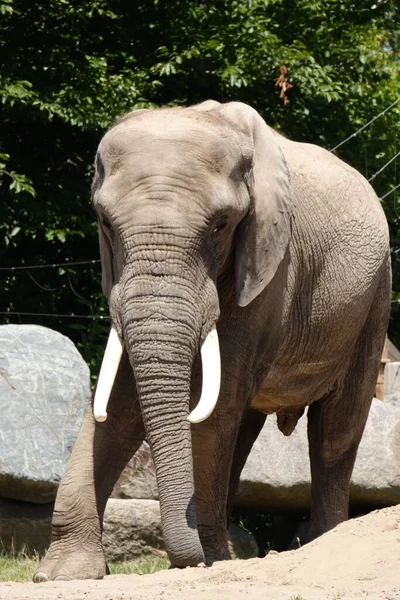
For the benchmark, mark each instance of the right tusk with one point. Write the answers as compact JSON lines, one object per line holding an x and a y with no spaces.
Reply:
{"x":211,"y":363}
{"x":108,"y":371}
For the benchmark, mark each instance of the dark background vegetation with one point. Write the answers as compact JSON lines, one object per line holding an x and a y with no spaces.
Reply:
{"x":69,"y":68}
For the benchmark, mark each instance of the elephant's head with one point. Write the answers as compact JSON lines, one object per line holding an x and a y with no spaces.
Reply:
{"x":180,"y":194}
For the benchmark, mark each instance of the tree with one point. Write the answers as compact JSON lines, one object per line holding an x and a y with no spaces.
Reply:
{"x":68,"y":69}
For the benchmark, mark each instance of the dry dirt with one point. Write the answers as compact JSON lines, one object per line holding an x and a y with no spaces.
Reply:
{"x":358,"y":559}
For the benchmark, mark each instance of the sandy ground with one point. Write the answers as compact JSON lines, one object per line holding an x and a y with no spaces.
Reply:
{"x":359,"y":559}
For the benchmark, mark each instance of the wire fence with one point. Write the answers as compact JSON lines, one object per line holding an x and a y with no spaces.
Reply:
{"x":55,"y":315}
{"x":51,"y":265}
{"x":356,"y":133}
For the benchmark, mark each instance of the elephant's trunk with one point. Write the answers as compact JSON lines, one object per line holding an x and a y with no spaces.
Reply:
{"x":164,"y":303}
{"x":161,"y":335}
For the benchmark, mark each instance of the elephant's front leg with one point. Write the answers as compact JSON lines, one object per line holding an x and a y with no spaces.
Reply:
{"x":213,"y":448}
{"x":100,"y":454}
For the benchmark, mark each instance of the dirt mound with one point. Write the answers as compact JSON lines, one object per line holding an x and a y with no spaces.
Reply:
{"x":358,"y":559}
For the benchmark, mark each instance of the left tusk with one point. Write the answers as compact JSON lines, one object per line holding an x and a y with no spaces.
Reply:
{"x":108,"y":371}
{"x":211,"y":364}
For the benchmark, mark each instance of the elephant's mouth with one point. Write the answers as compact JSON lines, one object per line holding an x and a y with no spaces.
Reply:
{"x":211,"y":367}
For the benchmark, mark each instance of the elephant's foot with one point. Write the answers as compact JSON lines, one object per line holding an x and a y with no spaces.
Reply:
{"x":215,"y":545}
{"x":212,"y":556}
{"x":64,"y":563}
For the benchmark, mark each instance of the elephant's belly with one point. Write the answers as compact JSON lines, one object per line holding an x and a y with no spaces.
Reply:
{"x":271,"y":403}
{"x":294,"y":388}
{"x":263,"y":404}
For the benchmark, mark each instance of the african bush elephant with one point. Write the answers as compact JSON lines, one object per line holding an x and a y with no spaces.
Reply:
{"x":210,"y":220}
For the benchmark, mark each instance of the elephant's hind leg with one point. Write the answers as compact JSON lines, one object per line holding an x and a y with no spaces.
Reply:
{"x":336,"y":424}
{"x":100,"y":454}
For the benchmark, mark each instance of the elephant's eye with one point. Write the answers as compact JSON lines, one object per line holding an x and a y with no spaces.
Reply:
{"x":221,"y":224}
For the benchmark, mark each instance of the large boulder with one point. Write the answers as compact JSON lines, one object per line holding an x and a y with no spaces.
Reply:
{"x":132,"y":529}
{"x":392,"y":381}
{"x":25,"y":527}
{"x":44,"y":391}
{"x":138,"y":479}
{"x":276,"y":476}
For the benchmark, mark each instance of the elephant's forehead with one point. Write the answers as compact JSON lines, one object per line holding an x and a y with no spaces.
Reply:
{"x":168,"y":139}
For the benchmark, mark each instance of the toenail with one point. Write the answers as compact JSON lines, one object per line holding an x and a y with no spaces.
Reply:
{"x":40,"y":577}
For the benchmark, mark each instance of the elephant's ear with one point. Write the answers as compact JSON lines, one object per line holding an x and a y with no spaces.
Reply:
{"x":263,"y":236}
{"x":107,"y":276}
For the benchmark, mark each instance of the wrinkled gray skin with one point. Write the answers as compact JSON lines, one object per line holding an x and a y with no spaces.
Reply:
{"x":206,"y":215}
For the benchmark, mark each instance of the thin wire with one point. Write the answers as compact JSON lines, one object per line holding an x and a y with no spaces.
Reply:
{"x":364,"y":126}
{"x":384,"y":166}
{"x":73,"y":290}
{"x":71,"y":316}
{"x":66,"y":264}
{"x":41,"y":286}
{"x":390,"y":192}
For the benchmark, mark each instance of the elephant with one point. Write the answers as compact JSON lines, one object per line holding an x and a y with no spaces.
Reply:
{"x":246,"y":275}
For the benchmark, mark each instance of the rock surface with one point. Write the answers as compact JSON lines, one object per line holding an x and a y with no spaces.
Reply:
{"x":25,"y":527}
{"x":132,"y":528}
{"x":242,"y":545}
{"x":44,"y":390}
{"x":392,"y":381}
{"x":276,"y":477}
{"x":138,"y":479}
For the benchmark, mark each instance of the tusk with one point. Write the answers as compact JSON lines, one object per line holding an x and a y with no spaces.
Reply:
{"x":211,"y":364}
{"x":108,"y":371}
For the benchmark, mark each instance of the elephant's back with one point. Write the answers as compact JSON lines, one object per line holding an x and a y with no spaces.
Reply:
{"x":339,"y":223}
{"x":331,"y":189}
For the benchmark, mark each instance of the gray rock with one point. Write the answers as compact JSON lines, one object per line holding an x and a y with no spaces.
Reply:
{"x":276,"y":476}
{"x":376,"y":477}
{"x":138,"y":479}
{"x":241,"y":544}
{"x":392,"y":381}
{"x":44,"y":390}
{"x":25,"y":527}
{"x":132,"y":529}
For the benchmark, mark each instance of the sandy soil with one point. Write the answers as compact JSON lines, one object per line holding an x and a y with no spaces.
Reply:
{"x":359,"y":559}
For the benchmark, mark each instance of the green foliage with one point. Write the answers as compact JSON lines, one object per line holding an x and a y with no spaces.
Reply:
{"x":67,"y":69}
{"x":252,"y":521}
